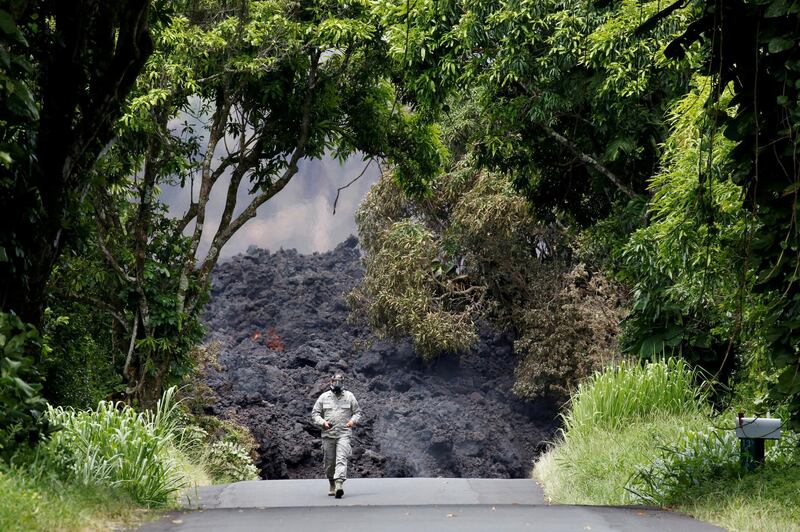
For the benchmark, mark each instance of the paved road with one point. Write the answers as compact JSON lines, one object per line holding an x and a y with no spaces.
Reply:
{"x":404,"y":504}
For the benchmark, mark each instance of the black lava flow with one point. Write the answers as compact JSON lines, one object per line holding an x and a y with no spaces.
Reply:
{"x":281,"y":320}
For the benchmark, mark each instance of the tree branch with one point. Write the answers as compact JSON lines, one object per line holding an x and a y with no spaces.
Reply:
{"x":589,"y":160}
{"x":191,"y":212}
{"x":653,"y":21}
{"x":142,"y":228}
{"x":338,"y":190}
{"x":583,"y":157}
{"x":99,"y":303}
{"x":225,"y":233}
{"x":112,"y":83}
{"x":208,"y":178}
{"x":227,"y":230}
{"x":129,"y":358}
{"x":247,"y":160}
{"x":216,"y":132}
{"x":101,"y":236}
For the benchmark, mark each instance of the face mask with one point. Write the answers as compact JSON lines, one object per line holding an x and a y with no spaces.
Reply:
{"x":336,"y":386}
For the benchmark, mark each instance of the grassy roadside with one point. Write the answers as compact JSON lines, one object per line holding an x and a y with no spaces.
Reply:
{"x":654,"y":452}
{"x":114,"y":467}
{"x":49,"y":504}
{"x":38,"y":500}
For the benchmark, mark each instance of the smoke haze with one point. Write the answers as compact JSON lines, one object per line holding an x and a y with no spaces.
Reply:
{"x":300,"y":216}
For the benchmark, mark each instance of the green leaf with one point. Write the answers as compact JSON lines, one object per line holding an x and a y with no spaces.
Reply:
{"x":652,"y":345}
{"x":618,"y":146}
{"x":779,"y":44}
{"x":9,"y":27}
{"x":5,"y":58}
{"x":788,"y":383}
{"x":791,"y":189}
{"x":23,"y":386}
{"x":7,"y":24}
{"x":777,"y":8}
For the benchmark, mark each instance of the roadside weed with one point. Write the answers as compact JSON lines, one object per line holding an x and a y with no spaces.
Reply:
{"x":633,"y":391}
{"x":117,"y":446}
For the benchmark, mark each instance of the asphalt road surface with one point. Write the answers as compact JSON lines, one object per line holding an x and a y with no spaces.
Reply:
{"x":404,"y":504}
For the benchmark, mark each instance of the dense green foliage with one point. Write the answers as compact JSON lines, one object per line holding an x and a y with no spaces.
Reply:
{"x":145,"y":454}
{"x":695,"y":457}
{"x":600,"y":179}
{"x":687,"y":266}
{"x":117,"y":446}
{"x":67,"y":68}
{"x":750,"y":50}
{"x":571,"y":101}
{"x":21,"y":407}
{"x":751,"y":53}
{"x":101,"y":464}
{"x":638,"y":135}
{"x":299,"y":82}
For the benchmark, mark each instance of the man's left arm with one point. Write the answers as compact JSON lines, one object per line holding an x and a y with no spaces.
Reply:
{"x":356,"y":410}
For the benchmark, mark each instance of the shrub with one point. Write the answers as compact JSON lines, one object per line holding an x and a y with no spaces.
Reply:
{"x":696,"y":457}
{"x":786,"y":451}
{"x":596,"y":466}
{"x":568,"y":335}
{"x":225,"y":447}
{"x":195,"y":394}
{"x":81,"y":369}
{"x":641,"y":434}
{"x":114,"y":445}
{"x":21,"y":404}
{"x":617,"y":419}
{"x":631,"y":391}
{"x":227,"y":461}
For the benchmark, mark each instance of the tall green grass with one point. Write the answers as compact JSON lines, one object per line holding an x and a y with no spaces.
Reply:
{"x":116,"y":446}
{"x":644,"y":433}
{"x":596,"y":466}
{"x":101,"y":466}
{"x":634,"y":391}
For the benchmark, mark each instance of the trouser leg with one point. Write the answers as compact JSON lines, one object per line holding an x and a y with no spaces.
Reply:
{"x":329,"y":456}
{"x":342,"y":456}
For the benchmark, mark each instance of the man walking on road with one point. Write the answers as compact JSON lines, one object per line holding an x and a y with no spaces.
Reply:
{"x":336,"y":412}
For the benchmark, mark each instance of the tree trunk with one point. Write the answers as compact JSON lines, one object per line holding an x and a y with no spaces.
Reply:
{"x":88,"y":67}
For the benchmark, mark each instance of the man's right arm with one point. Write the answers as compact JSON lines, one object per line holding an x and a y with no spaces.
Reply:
{"x":316,"y":413}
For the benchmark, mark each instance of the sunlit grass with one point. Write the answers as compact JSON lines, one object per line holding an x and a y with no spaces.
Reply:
{"x":116,"y":446}
{"x":594,"y":466}
{"x":46,"y":504}
{"x":623,"y":419}
{"x":107,"y":467}
{"x":632,"y":391}
{"x":768,"y":499}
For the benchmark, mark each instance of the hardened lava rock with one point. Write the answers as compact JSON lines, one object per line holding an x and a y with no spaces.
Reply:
{"x":281,"y":320}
